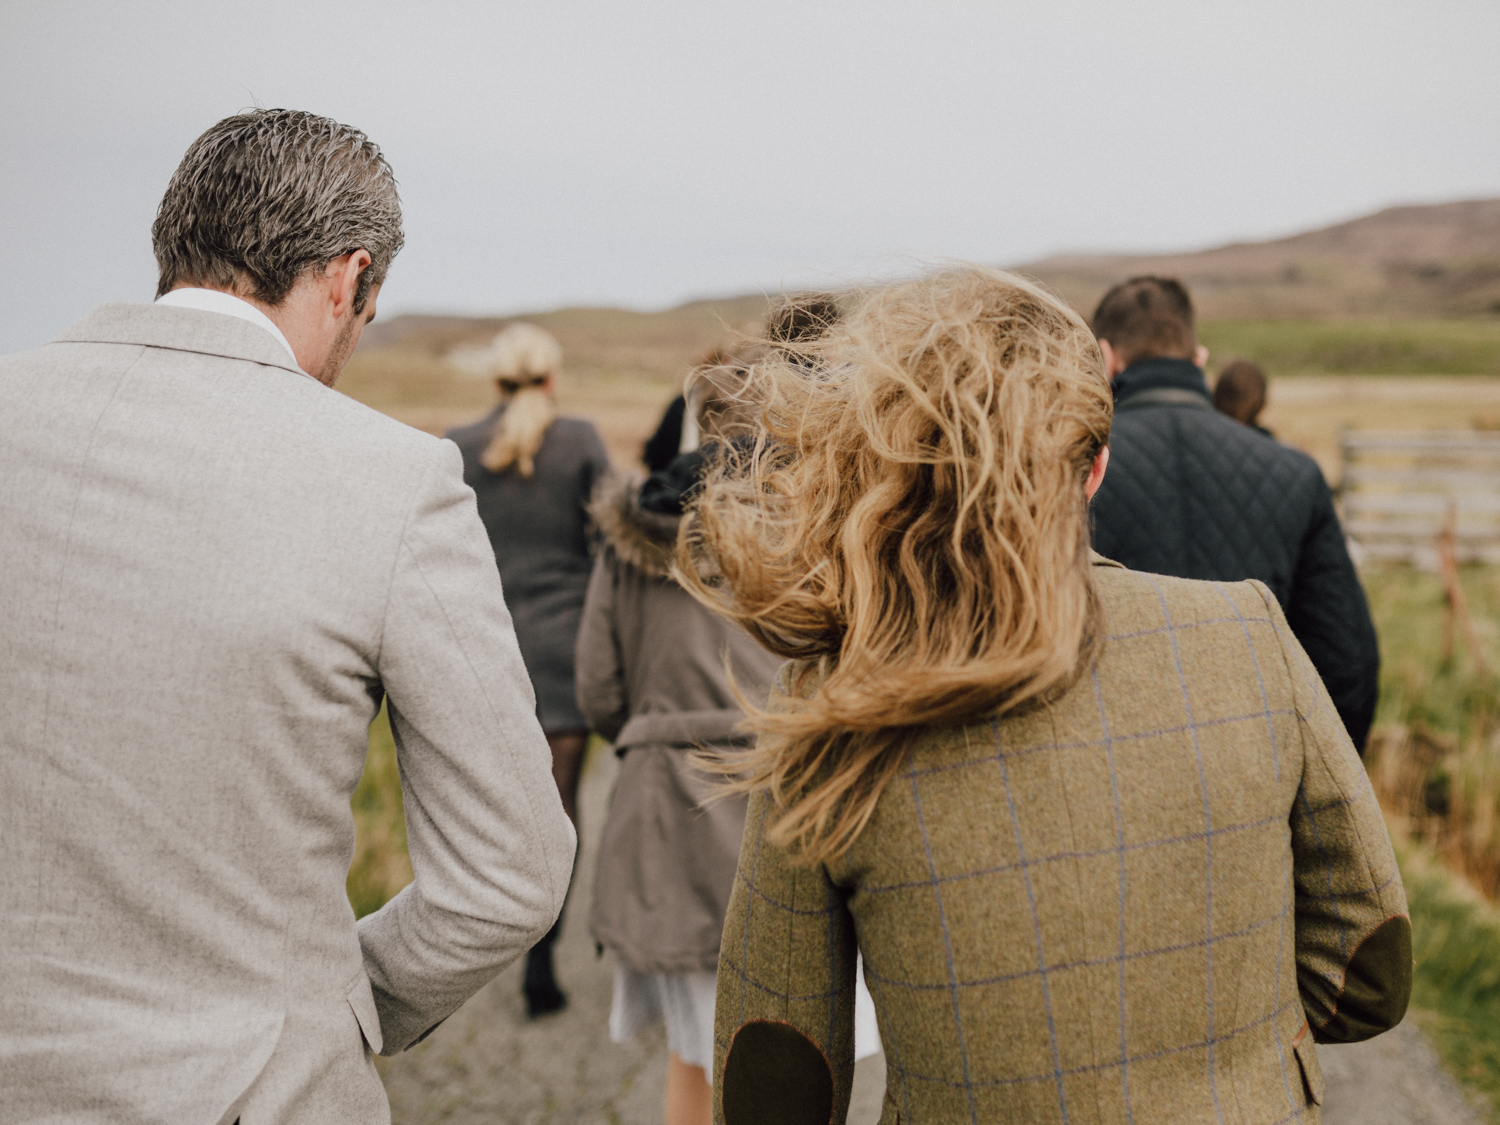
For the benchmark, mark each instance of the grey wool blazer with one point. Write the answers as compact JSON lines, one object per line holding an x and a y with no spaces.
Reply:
{"x":214,"y":569}
{"x":1143,"y":902}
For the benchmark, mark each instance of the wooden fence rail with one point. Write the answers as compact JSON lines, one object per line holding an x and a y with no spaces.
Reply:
{"x":1412,"y":497}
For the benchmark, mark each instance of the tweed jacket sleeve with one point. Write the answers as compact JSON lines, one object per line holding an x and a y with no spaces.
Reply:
{"x":1354,"y":962}
{"x":786,"y":989}
{"x":491,"y":848}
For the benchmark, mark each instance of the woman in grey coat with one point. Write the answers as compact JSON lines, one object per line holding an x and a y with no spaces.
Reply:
{"x":532,"y":474}
{"x":652,"y":679}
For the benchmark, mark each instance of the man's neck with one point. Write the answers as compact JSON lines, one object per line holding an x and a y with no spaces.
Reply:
{"x":1159,"y":373}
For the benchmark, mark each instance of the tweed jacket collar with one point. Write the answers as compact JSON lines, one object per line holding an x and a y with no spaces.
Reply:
{"x":184,"y":330}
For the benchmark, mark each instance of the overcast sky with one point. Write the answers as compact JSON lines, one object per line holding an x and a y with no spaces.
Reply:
{"x":642,"y":154}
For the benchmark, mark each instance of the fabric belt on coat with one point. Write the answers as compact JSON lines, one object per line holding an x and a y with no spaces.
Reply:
{"x":685,"y":727}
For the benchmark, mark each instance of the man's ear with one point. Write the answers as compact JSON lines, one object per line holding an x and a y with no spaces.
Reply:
{"x":342,"y":275}
{"x":1113,"y":364}
{"x":1200,"y":356}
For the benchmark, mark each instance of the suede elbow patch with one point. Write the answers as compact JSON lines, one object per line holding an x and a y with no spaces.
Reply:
{"x":775,"y":1074}
{"x":1377,"y":986}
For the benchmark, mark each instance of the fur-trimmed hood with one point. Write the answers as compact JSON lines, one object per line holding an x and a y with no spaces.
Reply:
{"x":645,"y":540}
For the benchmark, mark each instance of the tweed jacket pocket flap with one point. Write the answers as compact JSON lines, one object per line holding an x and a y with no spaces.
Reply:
{"x":362,"y":1000}
{"x":1312,"y":1073}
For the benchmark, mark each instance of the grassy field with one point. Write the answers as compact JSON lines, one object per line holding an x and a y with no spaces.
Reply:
{"x":1456,"y":985}
{"x":1363,"y":347}
{"x":621,"y":369}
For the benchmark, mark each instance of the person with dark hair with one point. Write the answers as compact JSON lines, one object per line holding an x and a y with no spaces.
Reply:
{"x":1240,"y":393}
{"x":1193,"y":494}
{"x":796,"y":320}
{"x":663,"y":446}
{"x":532,"y":473}
{"x":790,"y":321}
{"x":216,"y":571}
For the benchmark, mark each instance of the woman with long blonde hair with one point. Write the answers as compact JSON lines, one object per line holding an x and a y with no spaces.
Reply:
{"x":533,"y":473}
{"x":1099,"y":835}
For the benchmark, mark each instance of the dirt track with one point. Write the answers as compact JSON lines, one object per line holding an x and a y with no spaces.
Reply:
{"x":489,"y":1064}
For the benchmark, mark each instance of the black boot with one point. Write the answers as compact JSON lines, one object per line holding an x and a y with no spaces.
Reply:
{"x":540,"y":986}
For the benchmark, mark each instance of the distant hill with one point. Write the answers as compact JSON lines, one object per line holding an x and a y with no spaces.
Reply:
{"x":1376,"y":295}
{"x":618,"y":339}
{"x":1441,"y":260}
{"x":1430,"y":261}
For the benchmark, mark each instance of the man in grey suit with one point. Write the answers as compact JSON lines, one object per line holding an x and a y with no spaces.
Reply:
{"x":214,"y":569}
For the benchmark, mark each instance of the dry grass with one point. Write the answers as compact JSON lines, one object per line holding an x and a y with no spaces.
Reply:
{"x":1435,"y":755}
{"x":621,"y":368}
{"x":1456,"y":979}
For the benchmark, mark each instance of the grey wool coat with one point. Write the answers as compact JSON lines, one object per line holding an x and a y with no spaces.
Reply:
{"x":539,"y":531}
{"x":214,"y":569}
{"x":651,"y":679}
{"x":1143,"y":902}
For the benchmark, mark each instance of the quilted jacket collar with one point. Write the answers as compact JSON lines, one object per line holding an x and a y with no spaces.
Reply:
{"x":1160,"y":375}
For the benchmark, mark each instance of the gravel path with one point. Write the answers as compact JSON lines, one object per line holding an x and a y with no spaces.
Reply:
{"x":488,"y":1064}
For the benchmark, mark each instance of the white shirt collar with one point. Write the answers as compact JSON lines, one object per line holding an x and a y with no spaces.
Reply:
{"x":216,"y":301}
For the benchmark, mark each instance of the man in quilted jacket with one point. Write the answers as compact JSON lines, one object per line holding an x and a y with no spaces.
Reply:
{"x":1194,"y":494}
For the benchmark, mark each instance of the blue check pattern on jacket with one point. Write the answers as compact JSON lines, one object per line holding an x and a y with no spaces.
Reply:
{"x":1140,"y":903}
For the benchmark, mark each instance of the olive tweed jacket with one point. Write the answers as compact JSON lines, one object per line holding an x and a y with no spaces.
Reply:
{"x":1129,"y":905}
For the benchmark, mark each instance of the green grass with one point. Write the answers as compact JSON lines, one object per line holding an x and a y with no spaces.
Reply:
{"x":1455,"y":932}
{"x":1364,"y":347}
{"x":1456,"y":982}
{"x":1416,"y":686}
{"x":381,"y":866}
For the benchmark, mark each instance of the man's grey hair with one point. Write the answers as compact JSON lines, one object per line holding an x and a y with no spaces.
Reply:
{"x":264,"y":195}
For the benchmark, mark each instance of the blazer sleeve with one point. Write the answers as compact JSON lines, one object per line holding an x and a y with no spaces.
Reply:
{"x":784,"y":1015}
{"x":1354,"y":963}
{"x":599,"y":667}
{"x":1330,"y":616}
{"x":491,"y":849}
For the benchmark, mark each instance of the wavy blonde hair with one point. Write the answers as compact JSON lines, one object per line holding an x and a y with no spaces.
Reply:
{"x":911,"y":529}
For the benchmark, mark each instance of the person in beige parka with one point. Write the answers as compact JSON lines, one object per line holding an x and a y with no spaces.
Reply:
{"x":652,"y":679}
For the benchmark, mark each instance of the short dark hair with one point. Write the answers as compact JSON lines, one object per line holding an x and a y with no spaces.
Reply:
{"x":263,"y":195}
{"x":1240,"y":391}
{"x":1147,"y":318}
{"x":798,"y":321}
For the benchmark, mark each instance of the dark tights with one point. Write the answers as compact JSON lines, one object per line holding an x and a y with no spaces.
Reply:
{"x":540,"y":984}
{"x":567,"y":764}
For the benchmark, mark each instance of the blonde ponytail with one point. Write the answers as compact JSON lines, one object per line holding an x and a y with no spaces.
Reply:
{"x":519,"y":431}
{"x":522,"y":358}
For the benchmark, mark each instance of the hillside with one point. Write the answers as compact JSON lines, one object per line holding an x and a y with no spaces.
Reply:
{"x":1407,"y":291}
{"x":1432,"y":261}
